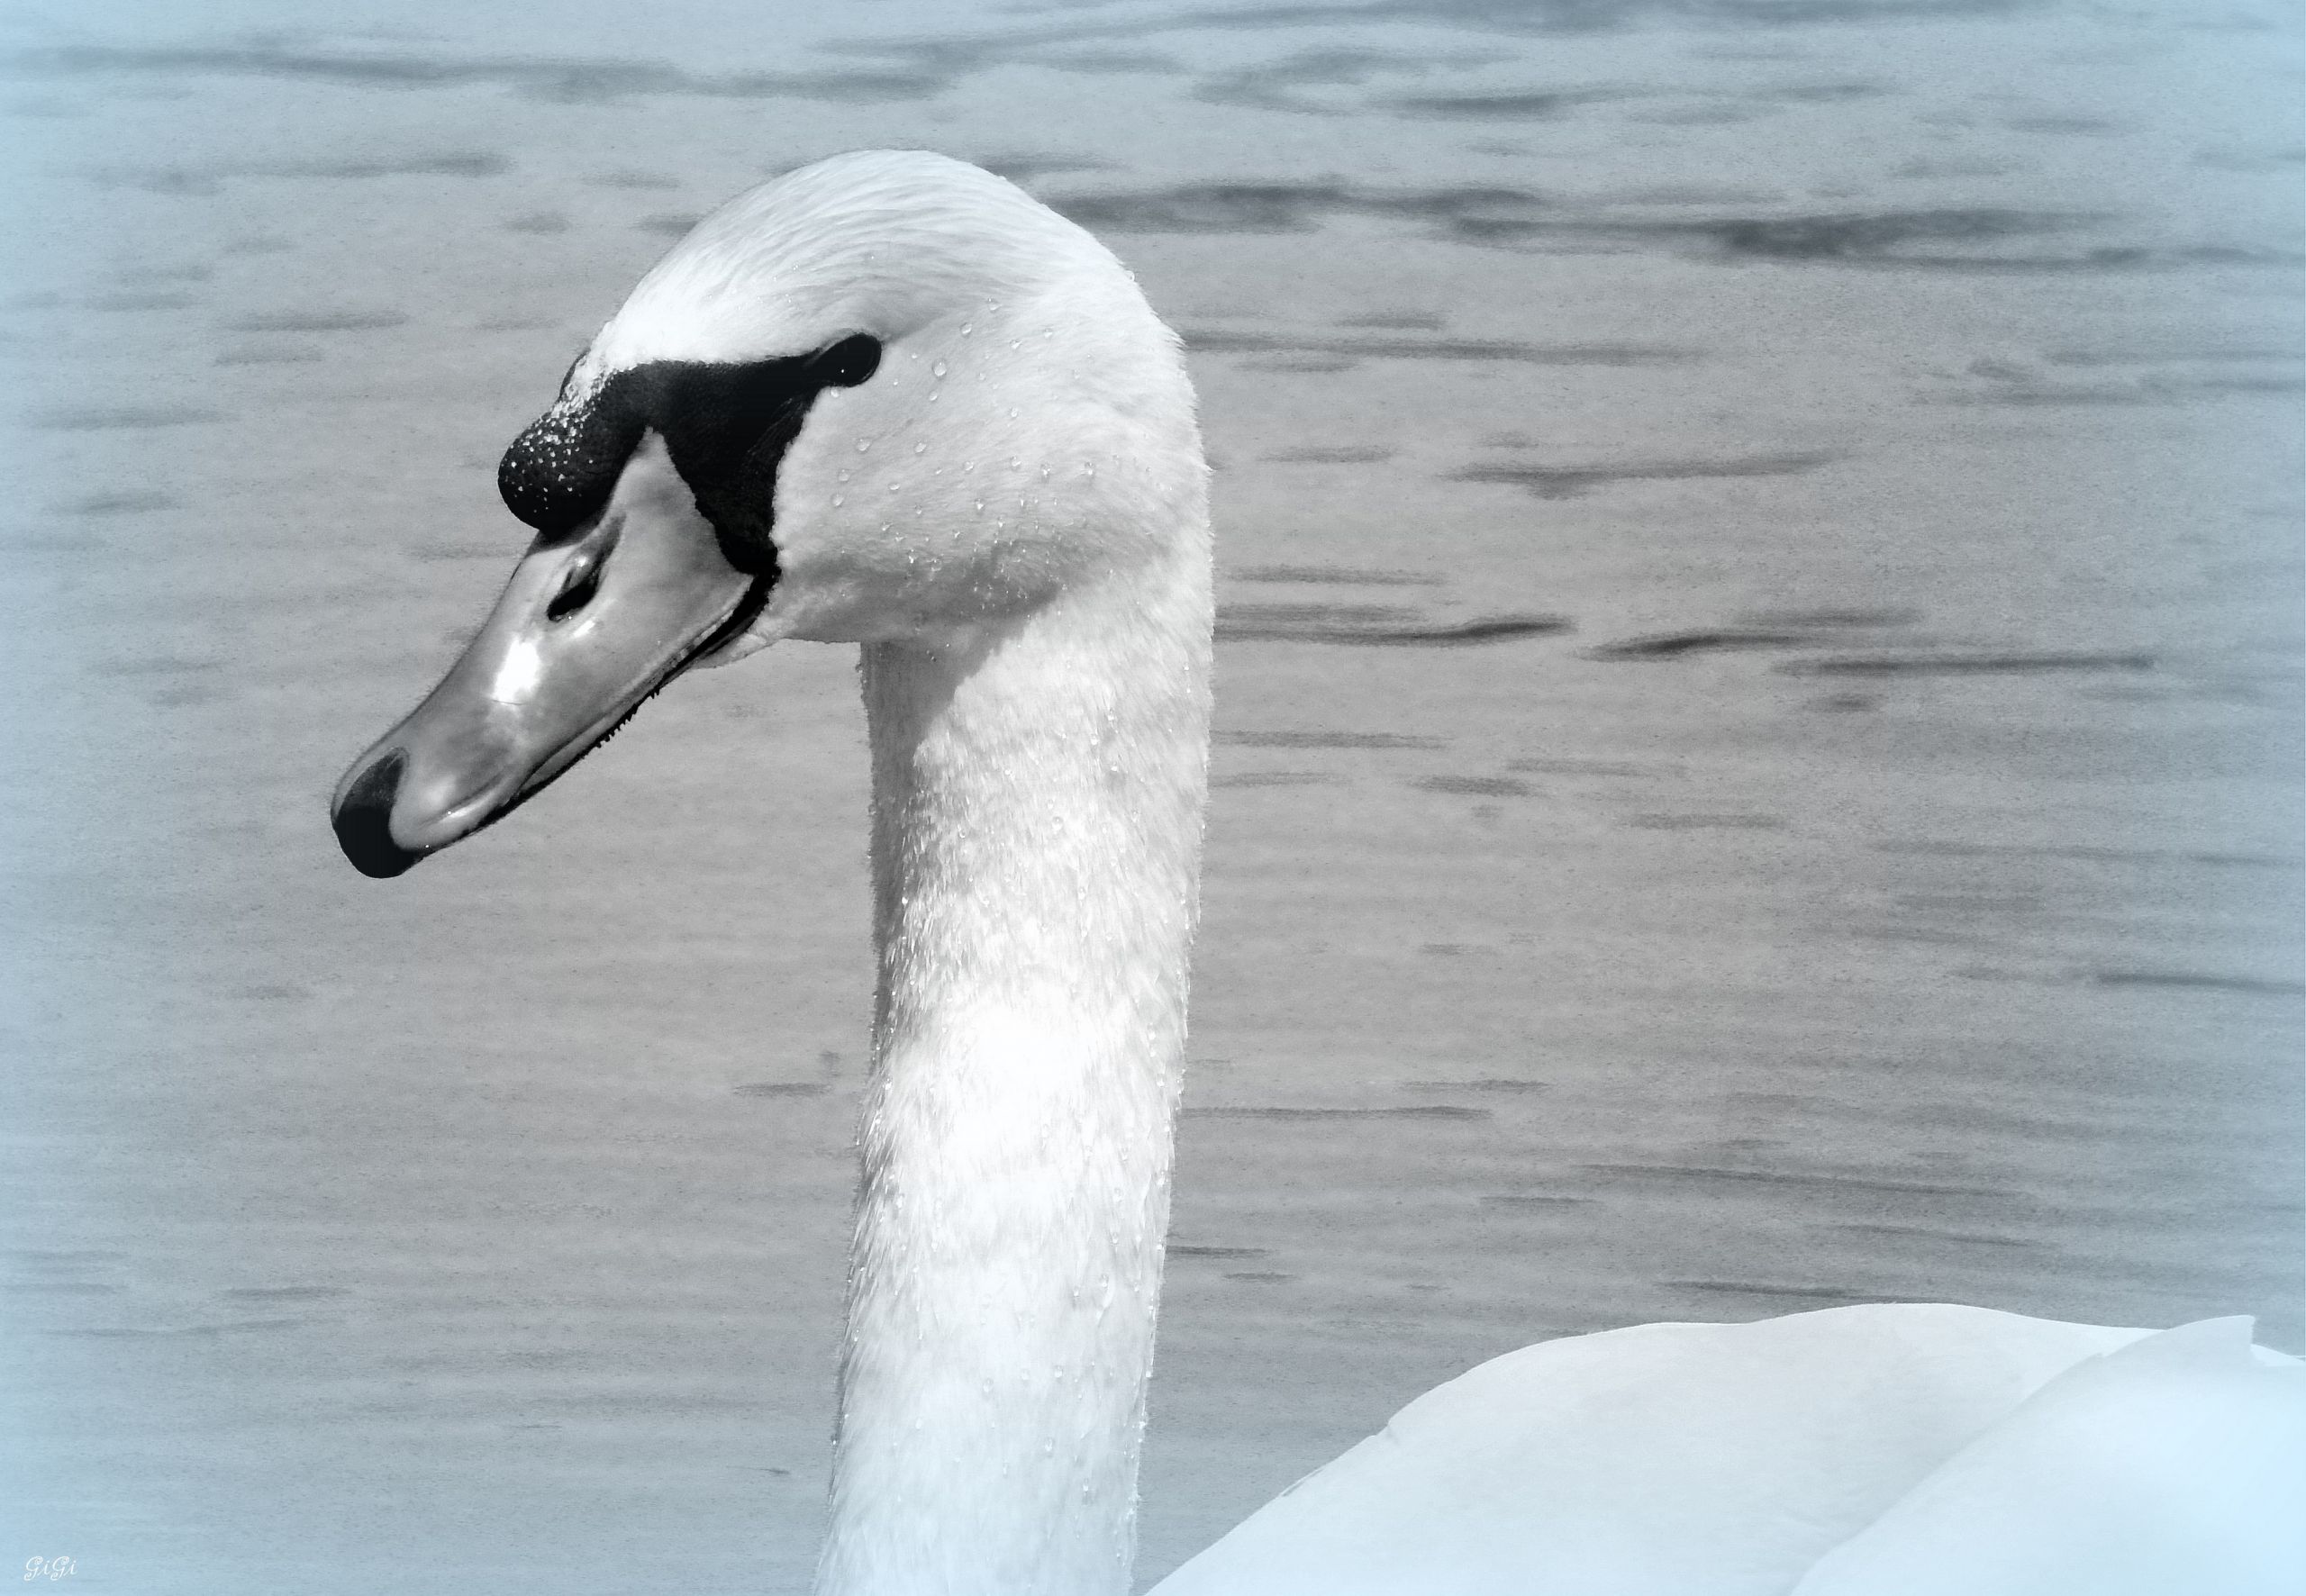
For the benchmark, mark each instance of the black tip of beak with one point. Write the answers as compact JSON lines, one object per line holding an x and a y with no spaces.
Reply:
{"x":363,"y":819}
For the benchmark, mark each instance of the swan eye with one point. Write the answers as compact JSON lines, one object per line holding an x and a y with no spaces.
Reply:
{"x":849,"y":362}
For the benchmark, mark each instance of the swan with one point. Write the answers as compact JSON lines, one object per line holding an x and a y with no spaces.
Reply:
{"x":890,"y":400}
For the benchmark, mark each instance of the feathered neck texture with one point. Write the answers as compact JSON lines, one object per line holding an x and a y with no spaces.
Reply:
{"x":1038,"y":791}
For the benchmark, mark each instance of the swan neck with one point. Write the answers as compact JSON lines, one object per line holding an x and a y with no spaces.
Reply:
{"x":1038,"y":798}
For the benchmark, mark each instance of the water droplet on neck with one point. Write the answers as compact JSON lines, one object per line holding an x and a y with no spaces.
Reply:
{"x":862,"y":444}
{"x":920,"y":449}
{"x":968,"y":328}
{"x":937,"y":370}
{"x":837,"y":500}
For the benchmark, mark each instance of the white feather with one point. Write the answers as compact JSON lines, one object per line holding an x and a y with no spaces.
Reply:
{"x":1012,"y":518}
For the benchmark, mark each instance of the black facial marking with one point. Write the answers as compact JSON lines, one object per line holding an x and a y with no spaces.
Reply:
{"x":726,"y":425}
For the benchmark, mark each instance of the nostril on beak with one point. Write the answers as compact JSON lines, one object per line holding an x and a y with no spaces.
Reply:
{"x":581,"y":586}
{"x":364,"y":827}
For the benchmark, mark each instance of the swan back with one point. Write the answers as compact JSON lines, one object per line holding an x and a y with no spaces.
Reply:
{"x":2177,"y":1462}
{"x":1656,"y":1460}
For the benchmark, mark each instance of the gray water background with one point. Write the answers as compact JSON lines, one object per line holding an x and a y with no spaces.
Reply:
{"x":1864,"y":866}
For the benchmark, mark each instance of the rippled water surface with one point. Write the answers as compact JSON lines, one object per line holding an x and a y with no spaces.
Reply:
{"x":1759,"y":760}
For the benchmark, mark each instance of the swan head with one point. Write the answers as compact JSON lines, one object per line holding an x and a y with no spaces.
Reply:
{"x":886,"y":397}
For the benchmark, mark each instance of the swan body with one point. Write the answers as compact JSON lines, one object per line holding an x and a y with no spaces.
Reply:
{"x":890,"y":400}
{"x":1867,"y":1451}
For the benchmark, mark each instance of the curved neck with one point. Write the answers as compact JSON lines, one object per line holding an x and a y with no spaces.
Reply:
{"x":1037,"y":806}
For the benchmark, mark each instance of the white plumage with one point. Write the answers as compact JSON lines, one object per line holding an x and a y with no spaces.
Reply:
{"x":1011,"y":517}
{"x":1893,"y":1450}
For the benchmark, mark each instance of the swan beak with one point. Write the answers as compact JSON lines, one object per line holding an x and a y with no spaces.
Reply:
{"x":590,"y":625}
